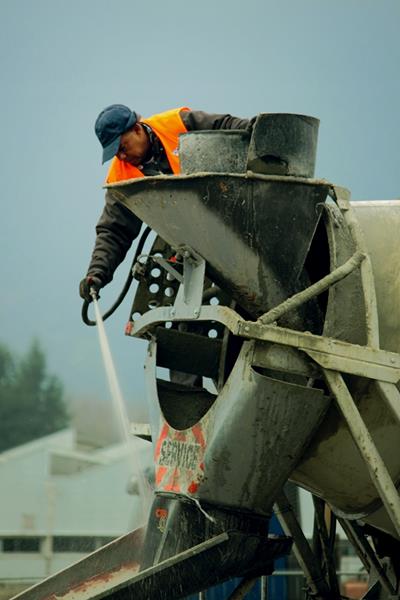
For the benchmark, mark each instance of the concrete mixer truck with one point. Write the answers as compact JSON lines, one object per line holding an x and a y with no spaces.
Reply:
{"x":285,"y":296}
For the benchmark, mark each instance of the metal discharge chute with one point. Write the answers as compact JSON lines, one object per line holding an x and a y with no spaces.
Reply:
{"x":285,"y":295}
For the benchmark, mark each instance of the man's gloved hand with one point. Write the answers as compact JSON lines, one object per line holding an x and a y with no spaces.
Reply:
{"x":88,"y":282}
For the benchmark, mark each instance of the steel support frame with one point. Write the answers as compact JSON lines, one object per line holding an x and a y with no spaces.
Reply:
{"x":334,"y":357}
{"x":302,"y":549}
{"x":327,"y":352}
{"x":368,"y":450}
{"x":326,"y":543}
{"x":367,"y":556}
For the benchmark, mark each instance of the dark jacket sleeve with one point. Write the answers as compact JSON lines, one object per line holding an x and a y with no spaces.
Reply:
{"x":115,"y":232}
{"x":195,"y":120}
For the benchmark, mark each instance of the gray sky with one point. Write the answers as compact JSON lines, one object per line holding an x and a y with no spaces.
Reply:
{"x":63,"y":61}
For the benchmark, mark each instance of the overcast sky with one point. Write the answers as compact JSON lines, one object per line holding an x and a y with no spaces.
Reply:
{"x":63,"y":61}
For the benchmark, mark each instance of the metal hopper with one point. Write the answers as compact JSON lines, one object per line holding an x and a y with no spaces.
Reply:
{"x":253,"y":231}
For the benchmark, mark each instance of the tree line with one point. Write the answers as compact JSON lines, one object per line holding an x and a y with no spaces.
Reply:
{"x":31,"y":400}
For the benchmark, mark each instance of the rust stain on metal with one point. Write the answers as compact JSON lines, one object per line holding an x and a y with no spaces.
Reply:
{"x":100,"y":578}
{"x":109,"y":576}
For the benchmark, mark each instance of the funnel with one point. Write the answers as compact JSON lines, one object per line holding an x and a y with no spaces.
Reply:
{"x":254,"y":231}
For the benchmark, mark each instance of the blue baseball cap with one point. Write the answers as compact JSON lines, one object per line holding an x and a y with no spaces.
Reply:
{"x":111,"y":123}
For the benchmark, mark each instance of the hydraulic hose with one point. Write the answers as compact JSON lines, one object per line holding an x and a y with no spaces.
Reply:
{"x":127,"y":285}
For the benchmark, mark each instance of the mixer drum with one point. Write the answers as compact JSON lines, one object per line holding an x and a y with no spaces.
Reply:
{"x":332,"y":466}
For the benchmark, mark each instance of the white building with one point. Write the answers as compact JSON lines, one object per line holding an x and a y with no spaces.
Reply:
{"x":59,"y":503}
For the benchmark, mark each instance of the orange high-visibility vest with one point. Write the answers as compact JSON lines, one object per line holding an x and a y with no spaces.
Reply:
{"x":167,"y":126}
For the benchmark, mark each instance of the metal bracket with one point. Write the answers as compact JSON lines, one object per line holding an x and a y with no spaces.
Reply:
{"x":341,"y":196}
{"x":190,"y":294}
{"x":356,"y":364}
{"x":329,"y":353}
{"x":340,"y":356}
{"x":168,"y":267}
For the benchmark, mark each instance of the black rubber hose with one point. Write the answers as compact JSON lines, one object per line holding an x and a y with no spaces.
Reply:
{"x":127,"y":285}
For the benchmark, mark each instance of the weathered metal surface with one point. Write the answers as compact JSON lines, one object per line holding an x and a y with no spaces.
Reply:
{"x":342,"y":198}
{"x":278,"y":144}
{"x":188,"y":352}
{"x":313,"y":290}
{"x":190,"y":294}
{"x":279,"y":418}
{"x":173,"y":578}
{"x":345,"y":317}
{"x":357,"y":366}
{"x":284,"y":359}
{"x":110,"y":566}
{"x":332,"y":466}
{"x":218,"y":151}
{"x":199,"y":567}
{"x":328,"y":352}
{"x":361,"y":436}
{"x":284,"y":144}
{"x":249,"y":230}
{"x":159,"y":273}
{"x":177,"y":523}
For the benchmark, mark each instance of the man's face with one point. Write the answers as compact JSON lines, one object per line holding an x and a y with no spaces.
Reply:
{"x":134,"y":146}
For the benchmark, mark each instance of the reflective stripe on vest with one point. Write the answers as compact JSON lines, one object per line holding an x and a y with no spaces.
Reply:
{"x":167,"y":126}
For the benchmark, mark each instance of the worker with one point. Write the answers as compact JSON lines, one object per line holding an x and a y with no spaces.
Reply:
{"x":138,"y":147}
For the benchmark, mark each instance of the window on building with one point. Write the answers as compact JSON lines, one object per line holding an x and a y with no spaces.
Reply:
{"x":82,"y":544}
{"x":21,"y":544}
{"x":74,"y":544}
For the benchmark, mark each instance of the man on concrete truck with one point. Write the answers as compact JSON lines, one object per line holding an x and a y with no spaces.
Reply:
{"x":138,"y":148}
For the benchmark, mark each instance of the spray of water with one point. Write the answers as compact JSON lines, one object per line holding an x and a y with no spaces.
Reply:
{"x":145,"y":494}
